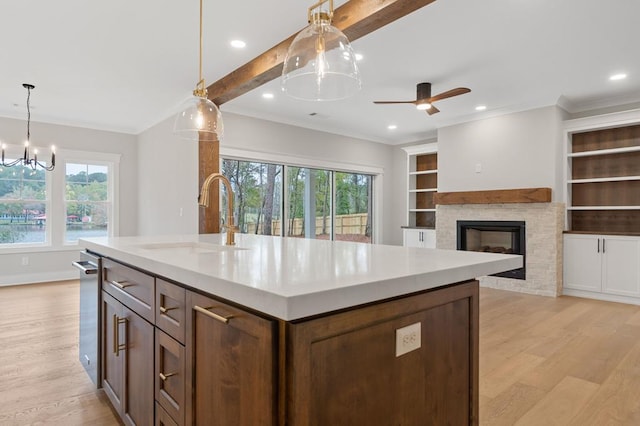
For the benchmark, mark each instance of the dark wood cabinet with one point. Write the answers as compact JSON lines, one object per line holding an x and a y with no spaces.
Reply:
{"x":231,"y":357}
{"x":171,"y":309}
{"x":127,"y":366}
{"x":170,"y":375}
{"x":238,"y":367}
{"x":163,"y":418}
{"x":343,"y":368}
{"x":112,"y":366}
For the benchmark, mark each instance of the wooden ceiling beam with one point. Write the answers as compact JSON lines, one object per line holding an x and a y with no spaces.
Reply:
{"x":355,"y":19}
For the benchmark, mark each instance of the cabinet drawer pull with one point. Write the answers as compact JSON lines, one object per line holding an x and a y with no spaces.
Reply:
{"x":117,"y":347}
{"x":165,"y":310}
{"x":212,"y":315}
{"x":164,"y":377}
{"x":120,"y":284}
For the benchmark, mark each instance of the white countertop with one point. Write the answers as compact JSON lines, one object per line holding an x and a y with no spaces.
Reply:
{"x":292,"y":278}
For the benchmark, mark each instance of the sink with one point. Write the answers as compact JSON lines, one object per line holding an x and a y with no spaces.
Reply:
{"x":189,"y":247}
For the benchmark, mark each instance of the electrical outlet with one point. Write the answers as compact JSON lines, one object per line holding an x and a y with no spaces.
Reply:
{"x":408,"y":339}
{"x":25,"y":260}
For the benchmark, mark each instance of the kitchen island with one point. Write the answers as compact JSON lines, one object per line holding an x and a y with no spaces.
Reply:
{"x":289,"y":331}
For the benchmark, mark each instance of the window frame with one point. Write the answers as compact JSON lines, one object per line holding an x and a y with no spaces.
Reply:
{"x":47,"y":201}
{"x":377,"y":174}
{"x":55,"y":200}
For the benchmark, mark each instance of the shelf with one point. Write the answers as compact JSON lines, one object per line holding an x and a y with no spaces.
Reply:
{"x":604,"y":152}
{"x":576,"y":208}
{"x":424,"y":190}
{"x":424,"y":172}
{"x":605,"y":179}
{"x":421,"y":210}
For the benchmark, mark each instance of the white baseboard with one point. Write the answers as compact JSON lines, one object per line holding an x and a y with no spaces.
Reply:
{"x":601,"y":296}
{"x":19,"y":279}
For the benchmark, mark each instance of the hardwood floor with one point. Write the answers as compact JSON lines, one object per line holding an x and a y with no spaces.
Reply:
{"x":564,"y":361}
{"x":543,"y":361}
{"x":41,"y":379}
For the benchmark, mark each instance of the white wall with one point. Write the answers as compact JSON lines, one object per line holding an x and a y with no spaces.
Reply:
{"x":163,"y":192}
{"x":520,"y":150}
{"x":168,"y":182}
{"x":54,"y":263}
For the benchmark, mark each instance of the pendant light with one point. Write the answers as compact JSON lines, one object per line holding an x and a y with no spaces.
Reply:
{"x":199,"y":119}
{"x":320,"y":64}
{"x":26,"y":159}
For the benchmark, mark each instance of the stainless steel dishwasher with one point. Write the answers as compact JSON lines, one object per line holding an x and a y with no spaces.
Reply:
{"x":89,"y":345}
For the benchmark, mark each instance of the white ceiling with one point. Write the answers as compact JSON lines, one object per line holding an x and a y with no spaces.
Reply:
{"x":126,"y":65}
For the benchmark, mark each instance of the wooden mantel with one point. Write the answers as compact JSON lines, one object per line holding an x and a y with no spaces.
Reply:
{"x":500,"y":196}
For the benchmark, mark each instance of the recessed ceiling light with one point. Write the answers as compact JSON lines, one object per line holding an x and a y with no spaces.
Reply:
{"x":238,"y":44}
{"x":481,"y":107}
{"x":620,"y":76}
{"x":268,"y":95}
{"x":359,"y":56}
{"x":392,"y":127}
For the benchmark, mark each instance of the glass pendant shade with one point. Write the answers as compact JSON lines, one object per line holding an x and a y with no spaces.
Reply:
{"x":320,"y":65}
{"x":199,"y":119}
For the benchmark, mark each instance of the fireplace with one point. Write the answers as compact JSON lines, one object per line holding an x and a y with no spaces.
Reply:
{"x":494,"y":236}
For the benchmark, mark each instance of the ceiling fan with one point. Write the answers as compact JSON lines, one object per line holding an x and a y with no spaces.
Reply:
{"x":424,"y":101}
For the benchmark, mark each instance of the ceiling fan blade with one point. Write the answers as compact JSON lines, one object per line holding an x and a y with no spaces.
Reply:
{"x":432,"y":110}
{"x":394,"y":102}
{"x":449,"y":93}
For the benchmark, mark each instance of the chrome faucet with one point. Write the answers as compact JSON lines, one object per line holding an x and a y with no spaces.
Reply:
{"x":203,"y":200}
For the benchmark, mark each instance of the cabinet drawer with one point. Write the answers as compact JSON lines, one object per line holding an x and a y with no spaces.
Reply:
{"x":170,"y":376}
{"x":133,"y":288}
{"x":170,"y":309}
{"x":163,"y":418}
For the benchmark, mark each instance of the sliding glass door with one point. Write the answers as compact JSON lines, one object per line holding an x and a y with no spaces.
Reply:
{"x":317,"y":203}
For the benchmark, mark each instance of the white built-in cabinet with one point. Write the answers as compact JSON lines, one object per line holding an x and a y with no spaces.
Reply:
{"x":425,"y":238}
{"x":422,"y":185}
{"x":602,"y":265}
{"x":602,"y":194}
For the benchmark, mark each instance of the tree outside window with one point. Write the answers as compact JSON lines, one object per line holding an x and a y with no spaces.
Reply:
{"x":23,"y":205}
{"x":87,"y":201}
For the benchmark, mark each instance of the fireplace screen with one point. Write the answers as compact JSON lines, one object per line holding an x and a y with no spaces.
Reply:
{"x":494,"y":237}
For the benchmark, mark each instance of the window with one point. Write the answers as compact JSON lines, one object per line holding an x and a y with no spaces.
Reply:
{"x":52,"y":209}
{"x":309,"y":194}
{"x":353,"y":207}
{"x":23,"y":205}
{"x":314,"y":203}
{"x":258,"y":196}
{"x":87,"y":201}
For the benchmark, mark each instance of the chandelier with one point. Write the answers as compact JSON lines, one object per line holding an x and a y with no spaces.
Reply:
{"x":26,"y":159}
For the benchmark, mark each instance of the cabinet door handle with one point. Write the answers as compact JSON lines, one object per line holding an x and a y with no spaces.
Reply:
{"x":120,"y":284}
{"x":213,"y":315}
{"x":164,"y":377}
{"x":598,"y":245}
{"x":165,"y":310}
{"x":603,"y":240}
{"x":117,"y":347}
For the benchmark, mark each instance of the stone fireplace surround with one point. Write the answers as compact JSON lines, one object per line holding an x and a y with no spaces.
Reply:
{"x":544,"y":227}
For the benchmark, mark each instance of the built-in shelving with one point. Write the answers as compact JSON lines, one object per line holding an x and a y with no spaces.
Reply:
{"x":603,"y":178}
{"x":422,"y":184}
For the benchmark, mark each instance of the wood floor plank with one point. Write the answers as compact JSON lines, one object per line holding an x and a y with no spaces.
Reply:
{"x":510,"y":405}
{"x":508,"y":373}
{"x":560,"y":405}
{"x":616,"y":401}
